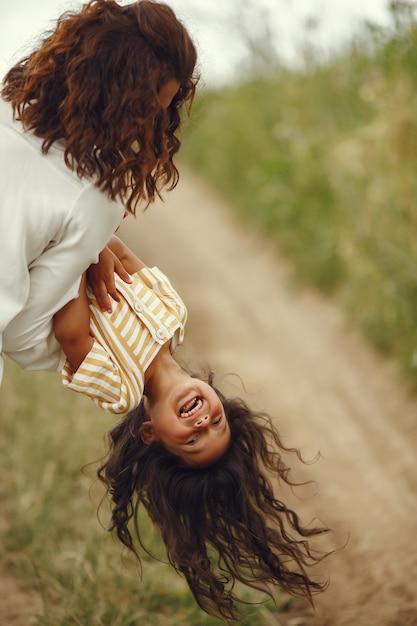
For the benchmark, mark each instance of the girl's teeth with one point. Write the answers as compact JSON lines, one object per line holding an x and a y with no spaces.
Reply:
{"x":191,"y":407}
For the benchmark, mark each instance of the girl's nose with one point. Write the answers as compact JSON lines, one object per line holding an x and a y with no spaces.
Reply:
{"x":202,"y":421}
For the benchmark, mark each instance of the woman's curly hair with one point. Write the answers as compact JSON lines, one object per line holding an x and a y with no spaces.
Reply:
{"x":93,"y":83}
{"x":220,"y":524}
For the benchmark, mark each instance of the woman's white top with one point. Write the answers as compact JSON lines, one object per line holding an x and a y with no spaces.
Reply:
{"x":52,"y":227}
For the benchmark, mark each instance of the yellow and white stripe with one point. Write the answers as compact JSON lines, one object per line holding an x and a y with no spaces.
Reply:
{"x":150,"y":313}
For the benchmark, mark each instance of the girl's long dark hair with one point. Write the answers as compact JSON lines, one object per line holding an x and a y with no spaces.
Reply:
{"x":93,"y":83}
{"x":220,"y":524}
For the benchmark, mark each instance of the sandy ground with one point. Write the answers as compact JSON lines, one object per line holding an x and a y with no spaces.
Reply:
{"x":329,"y":392}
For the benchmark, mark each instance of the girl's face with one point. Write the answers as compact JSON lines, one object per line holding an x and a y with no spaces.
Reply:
{"x":189,"y":421}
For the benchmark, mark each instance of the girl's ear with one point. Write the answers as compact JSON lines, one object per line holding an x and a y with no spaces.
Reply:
{"x":146,"y":432}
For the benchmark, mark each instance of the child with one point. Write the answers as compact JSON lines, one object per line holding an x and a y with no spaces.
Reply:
{"x":89,"y":125}
{"x":117,"y":358}
{"x":201,"y":464}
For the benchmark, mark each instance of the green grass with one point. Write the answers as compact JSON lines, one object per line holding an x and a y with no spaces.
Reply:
{"x":323,"y":161}
{"x":51,"y":538}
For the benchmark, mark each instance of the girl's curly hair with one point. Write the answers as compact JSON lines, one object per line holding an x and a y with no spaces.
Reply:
{"x":93,"y":83}
{"x":220,"y":524}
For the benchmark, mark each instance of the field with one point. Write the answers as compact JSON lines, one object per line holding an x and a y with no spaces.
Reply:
{"x":322,"y":160}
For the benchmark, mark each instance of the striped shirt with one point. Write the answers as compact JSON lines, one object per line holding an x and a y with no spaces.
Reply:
{"x":150,"y":313}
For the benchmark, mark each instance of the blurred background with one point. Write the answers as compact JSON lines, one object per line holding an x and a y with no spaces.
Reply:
{"x":222,"y":30}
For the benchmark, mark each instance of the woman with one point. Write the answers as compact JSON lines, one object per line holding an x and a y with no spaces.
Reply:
{"x":89,"y":125}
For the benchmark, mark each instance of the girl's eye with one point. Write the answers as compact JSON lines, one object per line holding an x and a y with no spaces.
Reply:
{"x":217,"y":421}
{"x":192,"y":441}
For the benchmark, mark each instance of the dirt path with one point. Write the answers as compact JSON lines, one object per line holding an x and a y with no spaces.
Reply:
{"x":330,"y":393}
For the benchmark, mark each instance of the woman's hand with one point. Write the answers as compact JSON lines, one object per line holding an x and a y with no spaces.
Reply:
{"x":101,"y":278}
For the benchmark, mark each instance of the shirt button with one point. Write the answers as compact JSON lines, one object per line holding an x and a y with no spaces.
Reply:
{"x":138,"y":307}
{"x":160,"y":333}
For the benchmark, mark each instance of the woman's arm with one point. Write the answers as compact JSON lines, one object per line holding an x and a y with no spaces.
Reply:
{"x":72,"y":327}
{"x":72,"y":322}
{"x":54,"y":277}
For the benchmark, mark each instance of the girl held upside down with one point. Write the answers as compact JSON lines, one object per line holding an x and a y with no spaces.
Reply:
{"x":200,"y":463}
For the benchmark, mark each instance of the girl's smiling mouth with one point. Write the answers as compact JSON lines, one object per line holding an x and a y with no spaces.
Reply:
{"x":191,"y":407}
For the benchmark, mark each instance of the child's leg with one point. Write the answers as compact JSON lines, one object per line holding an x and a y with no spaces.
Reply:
{"x":72,"y":327}
{"x":131,"y":262}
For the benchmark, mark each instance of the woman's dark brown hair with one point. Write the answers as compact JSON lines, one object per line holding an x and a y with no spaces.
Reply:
{"x":93,"y":83}
{"x":220,"y":524}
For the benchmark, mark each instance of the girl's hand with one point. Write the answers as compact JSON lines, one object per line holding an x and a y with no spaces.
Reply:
{"x":101,"y":278}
